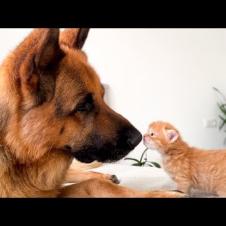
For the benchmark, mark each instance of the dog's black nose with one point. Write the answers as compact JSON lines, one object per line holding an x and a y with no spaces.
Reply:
{"x":134,"y":137}
{"x":128,"y":138}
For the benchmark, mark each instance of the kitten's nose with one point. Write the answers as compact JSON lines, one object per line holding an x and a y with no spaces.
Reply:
{"x":145,"y":137}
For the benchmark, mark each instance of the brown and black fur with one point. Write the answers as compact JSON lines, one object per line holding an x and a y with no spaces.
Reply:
{"x":52,"y":110}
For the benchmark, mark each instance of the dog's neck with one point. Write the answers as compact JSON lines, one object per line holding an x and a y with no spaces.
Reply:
{"x":36,"y":179}
{"x":20,"y":179}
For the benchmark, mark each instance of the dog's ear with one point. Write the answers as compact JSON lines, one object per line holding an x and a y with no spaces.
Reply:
{"x":74,"y":37}
{"x":41,"y":53}
{"x":48,"y":50}
{"x":40,"y":49}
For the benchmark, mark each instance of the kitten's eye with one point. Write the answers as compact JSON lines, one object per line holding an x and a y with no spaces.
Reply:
{"x":152,"y":134}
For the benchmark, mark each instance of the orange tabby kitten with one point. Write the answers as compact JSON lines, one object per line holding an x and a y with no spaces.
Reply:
{"x":189,"y":167}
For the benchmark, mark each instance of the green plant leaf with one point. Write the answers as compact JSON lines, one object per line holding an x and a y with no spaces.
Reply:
{"x":222,"y":108}
{"x":221,"y":118}
{"x":142,"y":163}
{"x":150,"y":165}
{"x":141,"y":158}
{"x":156,"y":164}
{"x":136,"y":164}
{"x":132,"y":159}
{"x":223,"y":122}
{"x":221,"y":126}
{"x":219,"y":92}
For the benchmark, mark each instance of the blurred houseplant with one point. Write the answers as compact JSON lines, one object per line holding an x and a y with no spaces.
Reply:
{"x":143,"y":161}
{"x":222,"y":107}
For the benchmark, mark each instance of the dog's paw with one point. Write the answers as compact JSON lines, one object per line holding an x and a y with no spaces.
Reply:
{"x":103,"y":176}
{"x":114,"y":179}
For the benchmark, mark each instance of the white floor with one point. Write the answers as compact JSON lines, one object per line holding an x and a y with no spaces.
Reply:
{"x":140,"y":178}
{"x":144,"y":178}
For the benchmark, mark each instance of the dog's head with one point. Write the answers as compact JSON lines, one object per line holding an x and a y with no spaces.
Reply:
{"x":52,"y":100}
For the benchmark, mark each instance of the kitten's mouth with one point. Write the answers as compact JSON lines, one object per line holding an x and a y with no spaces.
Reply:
{"x":149,"y":145}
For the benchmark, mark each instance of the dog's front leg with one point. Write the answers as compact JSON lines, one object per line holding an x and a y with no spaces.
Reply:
{"x":78,"y":176}
{"x":99,"y":188}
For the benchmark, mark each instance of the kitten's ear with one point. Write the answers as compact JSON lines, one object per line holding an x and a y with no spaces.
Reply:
{"x":172,"y":135}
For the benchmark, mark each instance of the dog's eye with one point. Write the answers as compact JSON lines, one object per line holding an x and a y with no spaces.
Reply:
{"x":86,"y":105}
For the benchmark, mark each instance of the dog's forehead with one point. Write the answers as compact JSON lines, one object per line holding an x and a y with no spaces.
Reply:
{"x":76,"y":72}
{"x":76,"y":78}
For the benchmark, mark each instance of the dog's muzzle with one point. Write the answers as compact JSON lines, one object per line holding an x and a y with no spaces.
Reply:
{"x":127,"y":139}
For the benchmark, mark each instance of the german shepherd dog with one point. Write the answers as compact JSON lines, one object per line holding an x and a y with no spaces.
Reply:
{"x":51,"y":111}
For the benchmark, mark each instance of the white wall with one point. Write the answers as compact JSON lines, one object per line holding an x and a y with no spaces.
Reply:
{"x":154,"y":74}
